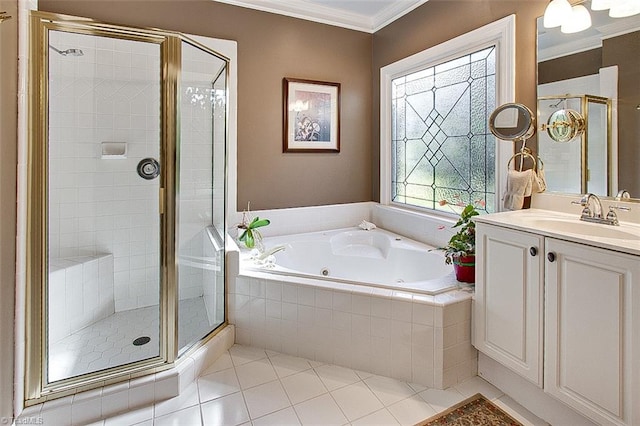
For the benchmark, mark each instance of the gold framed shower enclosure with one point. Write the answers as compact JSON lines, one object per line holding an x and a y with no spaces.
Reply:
{"x":38,"y":388}
{"x":588,"y":105}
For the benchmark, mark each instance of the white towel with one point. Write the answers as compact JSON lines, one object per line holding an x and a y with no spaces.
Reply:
{"x":367,"y":226}
{"x":540,"y":182}
{"x":519,"y":185}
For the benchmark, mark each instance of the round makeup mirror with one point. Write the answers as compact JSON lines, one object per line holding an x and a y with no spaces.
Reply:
{"x":512,"y":122}
{"x":564,"y":125}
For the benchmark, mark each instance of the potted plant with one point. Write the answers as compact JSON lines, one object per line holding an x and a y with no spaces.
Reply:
{"x":461,"y":248}
{"x":247,"y":230}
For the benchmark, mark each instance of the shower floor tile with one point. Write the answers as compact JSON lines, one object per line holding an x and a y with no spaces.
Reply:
{"x":109,"y":342}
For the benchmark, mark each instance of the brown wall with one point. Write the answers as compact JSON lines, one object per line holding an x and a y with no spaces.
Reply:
{"x":623,"y":51}
{"x":440,"y":20}
{"x":570,"y":66}
{"x":271,"y":47}
{"x":8,"y":164}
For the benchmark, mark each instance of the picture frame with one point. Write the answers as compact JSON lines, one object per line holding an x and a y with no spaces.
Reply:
{"x":311,"y":116}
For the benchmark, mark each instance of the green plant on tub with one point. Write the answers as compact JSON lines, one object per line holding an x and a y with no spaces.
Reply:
{"x":462,"y":243}
{"x":250,"y":233}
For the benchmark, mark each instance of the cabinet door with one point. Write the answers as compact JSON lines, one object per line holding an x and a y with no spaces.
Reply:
{"x":588,"y":329}
{"x":509,"y":299}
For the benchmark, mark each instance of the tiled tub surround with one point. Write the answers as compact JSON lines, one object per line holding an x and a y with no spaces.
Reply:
{"x":409,"y":336}
{"x":412,"y":337}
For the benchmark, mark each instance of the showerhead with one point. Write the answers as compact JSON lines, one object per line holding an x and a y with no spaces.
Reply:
{"x":68,"y":52}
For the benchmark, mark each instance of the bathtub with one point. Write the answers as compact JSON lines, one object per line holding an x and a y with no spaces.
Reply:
{"x":375,"y":258}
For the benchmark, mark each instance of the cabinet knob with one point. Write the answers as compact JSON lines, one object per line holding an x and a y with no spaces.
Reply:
{"x":551,"y":256}
{"x":533,"y":251}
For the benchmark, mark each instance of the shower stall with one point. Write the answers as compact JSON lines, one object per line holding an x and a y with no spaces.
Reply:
{"x":126,"y":201}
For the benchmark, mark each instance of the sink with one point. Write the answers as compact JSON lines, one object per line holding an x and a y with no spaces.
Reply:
{"x":584,"y":228}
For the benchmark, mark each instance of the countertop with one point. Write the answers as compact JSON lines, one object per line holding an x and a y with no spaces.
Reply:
{"x":624,"y":238}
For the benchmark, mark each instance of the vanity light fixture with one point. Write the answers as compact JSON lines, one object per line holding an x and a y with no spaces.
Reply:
{"x":601,"y":4}
{"x":624,"y":8}
{"x":617,"y":8}
{"x":571,"y":19}
{"x":556,"y":13}
{"x":579,"y":20}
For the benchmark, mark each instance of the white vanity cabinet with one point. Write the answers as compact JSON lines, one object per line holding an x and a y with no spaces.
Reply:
{"x":565,"y":316}
{"x":589,"y":329}
{"x":509,"y":298}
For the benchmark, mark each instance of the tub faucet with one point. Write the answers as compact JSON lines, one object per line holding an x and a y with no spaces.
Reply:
{"x":270,"y":252}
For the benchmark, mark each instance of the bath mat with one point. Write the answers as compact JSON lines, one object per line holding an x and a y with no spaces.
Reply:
{"x":476,"y":410}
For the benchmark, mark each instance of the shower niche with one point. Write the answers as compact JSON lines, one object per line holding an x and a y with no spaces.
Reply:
{"x":126,"y":201}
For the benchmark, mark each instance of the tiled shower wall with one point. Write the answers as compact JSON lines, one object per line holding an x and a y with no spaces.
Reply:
{"x":102,"y":206}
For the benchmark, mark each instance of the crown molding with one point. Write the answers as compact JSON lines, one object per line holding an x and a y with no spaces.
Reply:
{"x":331,"y":16}
{"x":617,"y":28}
{"x":393,"y":12}
{"x":569,"y":48}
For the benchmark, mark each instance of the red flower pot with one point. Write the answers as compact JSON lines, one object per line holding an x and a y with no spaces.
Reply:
{"x":465,"y":268}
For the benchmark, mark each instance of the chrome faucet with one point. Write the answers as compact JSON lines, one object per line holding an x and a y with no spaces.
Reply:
{"x":623,"y":194}
{"x":590,"y":214}
{"x":594,"y":214}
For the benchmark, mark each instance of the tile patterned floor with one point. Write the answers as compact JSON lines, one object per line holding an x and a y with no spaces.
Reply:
{"x":250,"y":386}
{"x":108,"y":342}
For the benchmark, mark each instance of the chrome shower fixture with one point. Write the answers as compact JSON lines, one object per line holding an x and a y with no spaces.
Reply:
{"x":68,"y":52}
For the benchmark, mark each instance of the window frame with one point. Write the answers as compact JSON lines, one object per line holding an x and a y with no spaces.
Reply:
{"x":500,"y":33}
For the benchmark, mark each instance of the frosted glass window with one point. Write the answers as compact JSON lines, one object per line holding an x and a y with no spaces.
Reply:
{"x":442,"y":148}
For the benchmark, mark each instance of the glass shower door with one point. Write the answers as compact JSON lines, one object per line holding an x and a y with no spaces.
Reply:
{"x":103,"y":282}
{"x":202,"y":90}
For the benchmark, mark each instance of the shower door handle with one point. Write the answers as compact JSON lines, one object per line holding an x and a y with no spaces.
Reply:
{"x":161,"y":201}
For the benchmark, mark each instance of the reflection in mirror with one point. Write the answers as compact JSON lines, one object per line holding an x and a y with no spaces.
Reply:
{"x":577,"y":155}
{"x":600,"y":62}
{"x":564,"y":125}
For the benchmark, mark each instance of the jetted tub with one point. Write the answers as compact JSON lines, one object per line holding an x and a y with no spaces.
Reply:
{"x":375,"y":258}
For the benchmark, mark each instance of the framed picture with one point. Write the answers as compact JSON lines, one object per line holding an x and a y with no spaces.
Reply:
{"x":311,"y":116}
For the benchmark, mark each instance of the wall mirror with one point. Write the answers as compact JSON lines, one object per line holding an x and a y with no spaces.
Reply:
{"x":512,"y":122}
{"x":595,"y":72}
